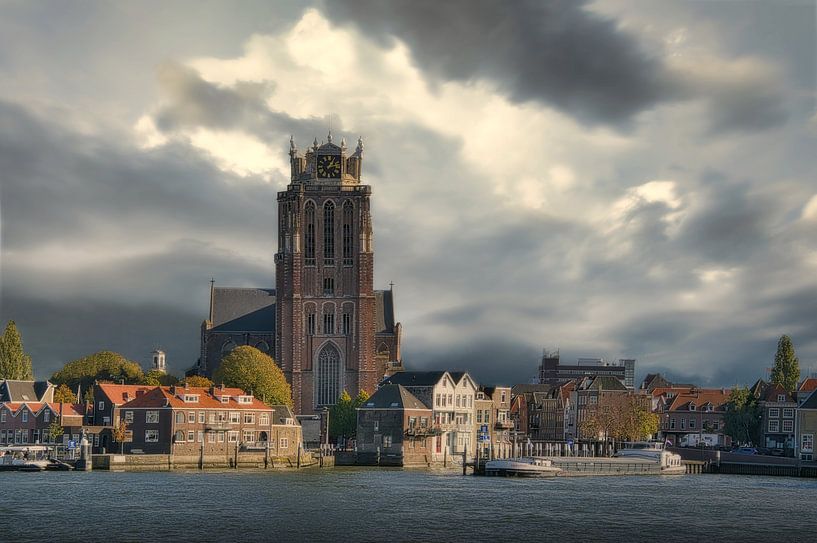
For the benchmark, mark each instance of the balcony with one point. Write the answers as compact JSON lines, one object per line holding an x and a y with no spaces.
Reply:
{"x":505,"y":425}
{"x":424,"y":431}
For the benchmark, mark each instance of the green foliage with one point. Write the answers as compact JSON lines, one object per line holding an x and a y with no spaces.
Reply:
{"x":786,"y":370}
{"x":743,"y":417}
{"x":101,"y":366}
{"x":159,"y":378}
{"x":196,"y":381}
{"x":14,"y":362}
{"x":343,"y":415}
{"x":253,"y":371}
{"x":55,"y":431}
{"x":63,"y":394}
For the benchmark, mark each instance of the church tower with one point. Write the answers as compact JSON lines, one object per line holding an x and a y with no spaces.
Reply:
{"x":326,"y":307}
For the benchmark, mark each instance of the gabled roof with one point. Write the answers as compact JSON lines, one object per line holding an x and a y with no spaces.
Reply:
{"x":811,"y":401}
{"x":717,"y":397}
{"x":772,"y":391}
{"x":68,"y":409}
{"x":243,"y":309}
{"x":12,"y":390}
{"x":604,"y":382}
{"x":393,"y":397}
{"x":415,"y":378}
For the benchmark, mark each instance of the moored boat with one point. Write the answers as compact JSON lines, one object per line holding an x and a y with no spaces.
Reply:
{"x":24,"y":458}
{"x":521,"y":467}
{"x":669,"y":463}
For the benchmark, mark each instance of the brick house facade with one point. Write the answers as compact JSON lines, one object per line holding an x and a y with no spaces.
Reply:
{"x":29,"y":422}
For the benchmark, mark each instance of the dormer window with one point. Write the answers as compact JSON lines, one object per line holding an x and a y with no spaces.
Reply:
{"x":692,"y":407}
{"x":289,"y":422}
{"x":191,"y":398}
{"x":245,"y":399}
{"x":225,"y":399}
{"x":781,"y":398}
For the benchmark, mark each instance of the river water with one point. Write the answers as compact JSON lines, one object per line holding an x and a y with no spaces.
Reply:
{"x":351,"y":504}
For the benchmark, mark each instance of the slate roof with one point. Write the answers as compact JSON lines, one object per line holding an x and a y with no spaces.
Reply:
{"x":68,"y":409}
{"x":393,"y":397}
{"x":605,"y":382}
{"x":24,"y":391}
{"x":243,"y":309}
{"x":811,"y":401}
{"x":414,"y":378}
{"x":384,"y":312}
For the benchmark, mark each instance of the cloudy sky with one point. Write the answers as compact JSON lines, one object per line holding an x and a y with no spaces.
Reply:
{"x":610,"y":178}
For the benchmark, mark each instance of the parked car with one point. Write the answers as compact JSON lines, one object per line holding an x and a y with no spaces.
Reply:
{"x":745,"y":450}
{"x":777,"y":452}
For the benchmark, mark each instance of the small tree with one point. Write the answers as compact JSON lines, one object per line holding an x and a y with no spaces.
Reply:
{"x":743,"y":416}
{"x":55,"y":431}
{"x":14,"y":362}
{"x":63,"y":394}
{"x":253,"y":371}
{"x":157,"y":378}
{"x":342,"y":420}
{"x":786,"y":370}
{"x":120,"y":432}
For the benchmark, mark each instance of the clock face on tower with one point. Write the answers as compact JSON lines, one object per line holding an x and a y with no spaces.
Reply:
{"x":328,"y":166}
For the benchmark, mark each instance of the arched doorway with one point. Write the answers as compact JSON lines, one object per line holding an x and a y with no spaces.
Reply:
{"x":327,"y":381}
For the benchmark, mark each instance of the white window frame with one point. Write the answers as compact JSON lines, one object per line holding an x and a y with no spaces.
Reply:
{"x":191,"y":436}
{"x":202,"y":417}
{"x":25,"y":415}
{"x":46,"y":415}
{"x":235,"y":417}
{"x":232,"y":436}
{"x":211,"y":437}
{"x":263,"y":419}
{"x":283,"y":443}
{"x":128,"y":417}
{"x":100,"y":405}
{"x":774,"y":426}
{"x":807,"y":443}
{"x":788,"y":413}
{"x":152,"y":417}
{"x":249,"y":418}
{"x":154,"y":434}
{"x":788,"y":426}
{"x":191,"y":417}
{"x":774,"y":412}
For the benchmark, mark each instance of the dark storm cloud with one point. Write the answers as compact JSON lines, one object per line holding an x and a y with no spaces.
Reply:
{"x":557,"y":52}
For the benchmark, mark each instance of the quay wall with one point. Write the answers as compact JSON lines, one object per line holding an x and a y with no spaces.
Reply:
{"x":166,"y":462}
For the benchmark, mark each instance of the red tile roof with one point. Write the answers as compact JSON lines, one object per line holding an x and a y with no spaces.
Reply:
{"x":68,"y":409}
{"x":808,"y":385}
{"x":717,"y":397}
{"x":164,"y":397}
{"x":120,"y":394}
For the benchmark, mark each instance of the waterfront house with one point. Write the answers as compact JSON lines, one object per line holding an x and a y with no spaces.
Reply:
{"x":777,"y":426}
{"x":24,"y":423}
{"x":451,"y":398}
{"x":806,"y":426}
{"x":395,"y":428}
{"x":588,"y":395}
{"x":690,"y":418}
{"x":493,"y":414}
{"x":189,"y":421}
{"x":109,"y":397}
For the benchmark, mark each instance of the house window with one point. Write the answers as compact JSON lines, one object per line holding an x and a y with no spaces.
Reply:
{"x":249,"y":418}
{"x":692,"y":407}
{"x":328,"y":323}
{"x":458,"y":400}
{"x":101,"y":405}
{"x":329,"y":233}
{"x":191,"y":436}
{"x":263,"y":419}
{"x":179,"y":417}
{"x":128,"y":417}
{"x":348,"y":216}
{"x":716,"y":425}
{"x":788,"y":426}
{"x":672,"y":424}
{"x":328,"y":286}
{"x":249,"y":436}
{"x":774,"y":426}
{"x":347,"y":324}
{"x":479,"y":415}
{"x":310,"y":324}
{"x":788,"y":413}
{"x":683,"y":424}
{"x":151,"y":436}
{"x":691,"y":424}
{"x":807,"y":443}
{"x":376,"y":425}
{"x":25,"y":416}
{"x":201,"y":417}
{"x":221,"y":437}
{"x":179,"y":437}
{"x":46,"y":415}
{"x":36,"y":436}
{"x":2,"y":416}
{"x":191,"y":398}
{"x":436,"y":402}
{"x":309,"y":234}
{"x":191,"y":417}
{"x":781,"y":398}
{"x":212,"y":418}
{"x":594,"y":400}
{"x":503,"y":397}
{"x":283,"y":443}
{"x":386,"y":441}
{"x":151,"y":417}
{"x":211,"y":437}
{"x":235,"y":417}
{"x":232,"y":436}
{"x":245,"y":399}
{"x":774,"y":412}
{"x":451,"y":400}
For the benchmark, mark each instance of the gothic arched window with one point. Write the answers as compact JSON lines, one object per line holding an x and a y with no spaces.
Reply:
{"x":228,"y":347}
{"x":348,"y":215}
{"x":327,"y":387}
{"x":329,"y":233}
{"x":262,"y":346}
{"x":309,"y":234}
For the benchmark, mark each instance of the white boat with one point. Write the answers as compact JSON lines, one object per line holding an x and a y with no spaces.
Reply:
{"x":24,"y":458}
{"x":529,"y":466}
{"x":670,"y":463}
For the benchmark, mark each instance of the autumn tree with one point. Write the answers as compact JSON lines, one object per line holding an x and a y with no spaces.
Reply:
{"x":63,"y":394}
{"x":620,"y":417}
{"x":157,"y":378}
{"x":196,"y":381}
{"x":253,"y":371}
{"x":55,"y":431}
{"x":120,"y":432}
{"x":101,"y":366}
{"x":786,"y":370}
{"x":742,"y":419}
{"x":14,"y":362}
